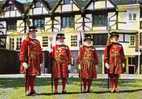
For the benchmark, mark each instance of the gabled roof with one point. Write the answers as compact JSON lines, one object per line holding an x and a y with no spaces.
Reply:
{"x":59,"y":1}
{"x":111,"y":1}
{"x":82,"y":3}
{"x":18,"y":5}
{"x":46,"y":4}
{"x":52,"y":3}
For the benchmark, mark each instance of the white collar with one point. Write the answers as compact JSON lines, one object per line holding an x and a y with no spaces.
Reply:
{"x":59,"y":43}
{"x":86,"y":44}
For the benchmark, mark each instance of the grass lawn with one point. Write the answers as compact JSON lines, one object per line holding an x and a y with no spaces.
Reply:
{"x":13,"y":89}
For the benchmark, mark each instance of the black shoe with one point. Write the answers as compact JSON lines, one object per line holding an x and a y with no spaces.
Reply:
{"x":28,"y":93}
{"x":33,"y":93}
{"x":88,"y":91}
{"x":64,"y":92}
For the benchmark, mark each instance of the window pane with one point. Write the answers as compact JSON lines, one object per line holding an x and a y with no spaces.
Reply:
{"x":74,"y":40}
{"x":100,"y":20}
{"x":130,"y":16}
{"x":132,"y":40}
{"x":39,"y":23}
{"x":37,"y":4}
{"x":66,"y":1}
{"x":127,"y":37}
{"x":10,"y":8}
{"x":67,"y":22}
{"x":45,"y":41}
{"x":2,"y":42}
{"x":11,"y":43}
{"x":11,"y":24}
{"x":134,"y":16}
{"x":100,"y":39}
{"x":18,"y":43}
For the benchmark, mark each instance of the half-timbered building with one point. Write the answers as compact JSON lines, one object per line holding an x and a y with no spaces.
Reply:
{"x":76,"y":19}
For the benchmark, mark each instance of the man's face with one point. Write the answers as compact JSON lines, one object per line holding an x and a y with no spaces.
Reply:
{"x":88,"y":41}
{"x":32,"y":34}
{"x":61,"y":40}
{"x":114,"y":39}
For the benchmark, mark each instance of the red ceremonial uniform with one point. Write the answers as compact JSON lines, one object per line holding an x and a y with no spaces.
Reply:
{"x":32,"y":48}
{"x":61,"y":59}
{"x":88,"y":60}
{"x":114,"y":57}
{"x":31,"y":54}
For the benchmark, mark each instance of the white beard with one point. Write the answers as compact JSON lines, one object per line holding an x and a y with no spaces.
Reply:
{"x":86,"y":44}
{"x":59,"y":43}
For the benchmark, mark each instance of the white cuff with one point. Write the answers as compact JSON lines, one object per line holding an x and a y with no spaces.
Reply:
{"x":69,"y":67}
{"x":25,"y":65}
{"x":79,"y":66}
{"x":107,"y":65}
{"x":123,"y":65}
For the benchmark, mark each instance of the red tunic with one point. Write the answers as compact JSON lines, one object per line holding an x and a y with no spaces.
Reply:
{"x":114,"y":57}
{"x":31,"y":53}
{"x":88,"y":60}
{"x":61,"y":59}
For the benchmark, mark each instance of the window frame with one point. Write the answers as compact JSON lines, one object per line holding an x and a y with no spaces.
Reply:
{"x":74,"y":40}
{"x":67,"y":1}
{"x":11,"y":43}
{"x":39,"y":23}
{"x":10,"y":8}
{"x":45,"y":41}
{"x":132,"y":16}
{"x":11,"y":25}
{"x":100,"y":39}
{"x":101,"y":22}
{"x":67,"y":21}
{"x":38,"y":4}
{"x":18,"y":43}
{"x":124,"y":40}
{"x":132,"y":40}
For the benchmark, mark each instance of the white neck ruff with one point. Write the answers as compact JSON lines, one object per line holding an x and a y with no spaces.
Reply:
{"x":59,"y":43}
{"x":86,"y":44}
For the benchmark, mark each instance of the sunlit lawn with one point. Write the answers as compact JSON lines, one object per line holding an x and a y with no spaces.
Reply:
{"x":13,"y":89}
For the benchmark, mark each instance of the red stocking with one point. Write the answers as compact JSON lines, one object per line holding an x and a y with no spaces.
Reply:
{"x":89,"y":84}
{"x":116,"y":81}
{"x":32,"y":83}
{"x":84,"y":84}
{"x":56,"y":85}
{"x":64,"y":82}
{"x":111,"y":81}
{"x":27,"y":83}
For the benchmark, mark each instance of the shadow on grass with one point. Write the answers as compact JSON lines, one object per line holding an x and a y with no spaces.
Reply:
{"x":95,"y":92}
{"x":121,"y":91}
{"x":68,"y":93}
{"x":19,"y":82}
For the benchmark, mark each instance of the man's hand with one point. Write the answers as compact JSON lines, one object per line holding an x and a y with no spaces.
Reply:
{"x":25,"y":65}
{"x":69,"y":67}
{"x":123,"y":65}
{"x":107,"y":65}
{"x":79,"y":67}
{"x":96,"y":67}
{"x":41,"y":65}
